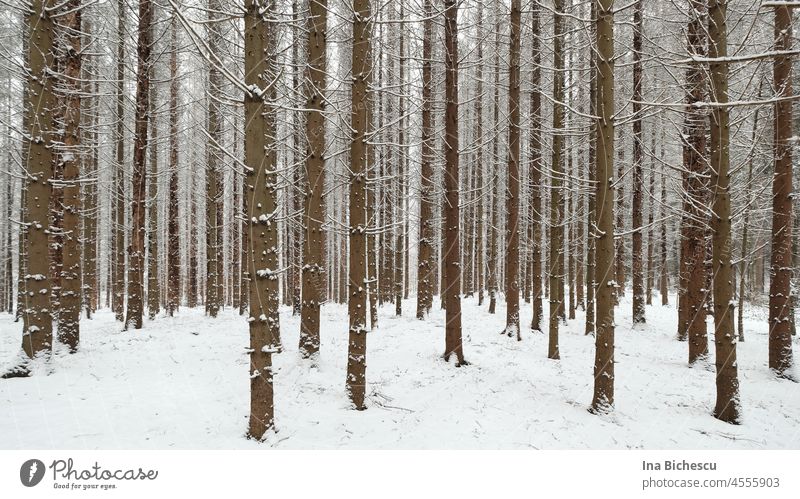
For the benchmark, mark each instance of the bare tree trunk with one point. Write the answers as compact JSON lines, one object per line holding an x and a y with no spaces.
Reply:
{"x":651,"y":205}
{"x":727,"y":405}
{"x":556,"y":277}
{"x":692,"y":314}
{"x":173,"y":239}
{"x":451,"y":292}
{"x":313,"y":264}
{"x":359,"y":121}
{"x":262,"y":257}
{"x":780,"y":307}
{"x":153,"y":294}
{"x":425,"y":265}
{"x":512,"y":195}
{"x":637,"y":265}
{"x":213,"y":177}
{"x":591,"y":174}
{"x":70,"y":297}
{"x":37,"y":334}
{"x":118,"y":189}
{"x":664,"y":278}
{"x":139,"y":177}
{"x":494,"y":219}
{"x":603,"y":399}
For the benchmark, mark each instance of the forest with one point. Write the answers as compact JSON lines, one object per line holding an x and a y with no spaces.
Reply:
{"x":488,"y":223}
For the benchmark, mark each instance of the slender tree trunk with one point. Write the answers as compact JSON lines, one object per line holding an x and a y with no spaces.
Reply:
{"x":535,"y":147}
{"x":70,"y":295}
{"x":603,"y":399}
{"x":591,"y":233}
{"x":213,"y":177}
{"x":556,"y":277}
{"x":173,"y":239}
{"x":451,"y":292}
{"x":425,"y":262}
{"x":651,"y":220}
{"x":139,"y":177}
{"x":118,"y":189}
{"x":153,"y":294}
{"x":727,"y":405}
{"x":637,"y":265}
{"x":691,"y":305}
{"x":512,"y":196}
{"x":781,"y":268}
{"x":313,"y":265}
{"x":359,"y":121}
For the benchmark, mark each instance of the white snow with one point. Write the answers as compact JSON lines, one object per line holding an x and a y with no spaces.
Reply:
{"x":184,"y":382}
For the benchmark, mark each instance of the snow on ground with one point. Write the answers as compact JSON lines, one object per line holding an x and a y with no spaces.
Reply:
{"x":183,"y":382}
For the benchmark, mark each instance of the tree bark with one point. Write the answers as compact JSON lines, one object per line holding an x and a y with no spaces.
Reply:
{"x":727,"y":405}
{"x":359,"y":121}
{"x":139,"y":177}
{"x":425,"y":261}
{"x":173,"y":240}
{"x":780,"y":309}
{"x":512,"y":194}
{"x":537,"y":167}
{"x":452,"y":290}
{"x":637,"y":265}
{"x":262,"y":257}
{"x":313,"y":265}
{"x":556,"y":277}
{"x":37,"y":334}
{"x":603,"y":398}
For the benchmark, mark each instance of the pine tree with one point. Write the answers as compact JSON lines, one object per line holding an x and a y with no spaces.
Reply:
{"x":727,"y":406}
{"x":313,"y":264}
{"x":637,"y":265}
{"x":262,"y":258}
{"x":452,"y":290}
{"x":603,"y":398}
{"x":425,"y":265}
{"x":512,"y":196}
{"x":37,"y":334}
{"x":781,"y":268}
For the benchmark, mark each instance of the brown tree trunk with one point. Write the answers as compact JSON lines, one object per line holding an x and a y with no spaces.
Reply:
{"x":603,"y":398}
{"x":727,"y":405}
{"x":139,"y":177}
{"x":359,"y":121}
{"x":118,"y":189}
{"x":780,"y":308}
{"x":153,"y":294}
{"x":451,"y":292}
{"x":425,"y":262}
{"x":262,"y":257}
{"x":512,"y":194}
{"x":691,"y":305}
{"x":213,"y":177}
{"x":173,"y":239}
{"x":313,"y":265}
{"x":70,"y":296}
{"x":637,"y":265}
{"x":537,"y":166}
{"x":591,"y":175}
{"x":555,"y":266}
{"x":37,"y":334}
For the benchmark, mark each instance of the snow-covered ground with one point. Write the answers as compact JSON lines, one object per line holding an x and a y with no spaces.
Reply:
{"x":183,"y":382}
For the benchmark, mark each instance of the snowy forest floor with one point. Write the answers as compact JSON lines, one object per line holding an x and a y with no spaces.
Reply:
{"x":182,"y":382}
